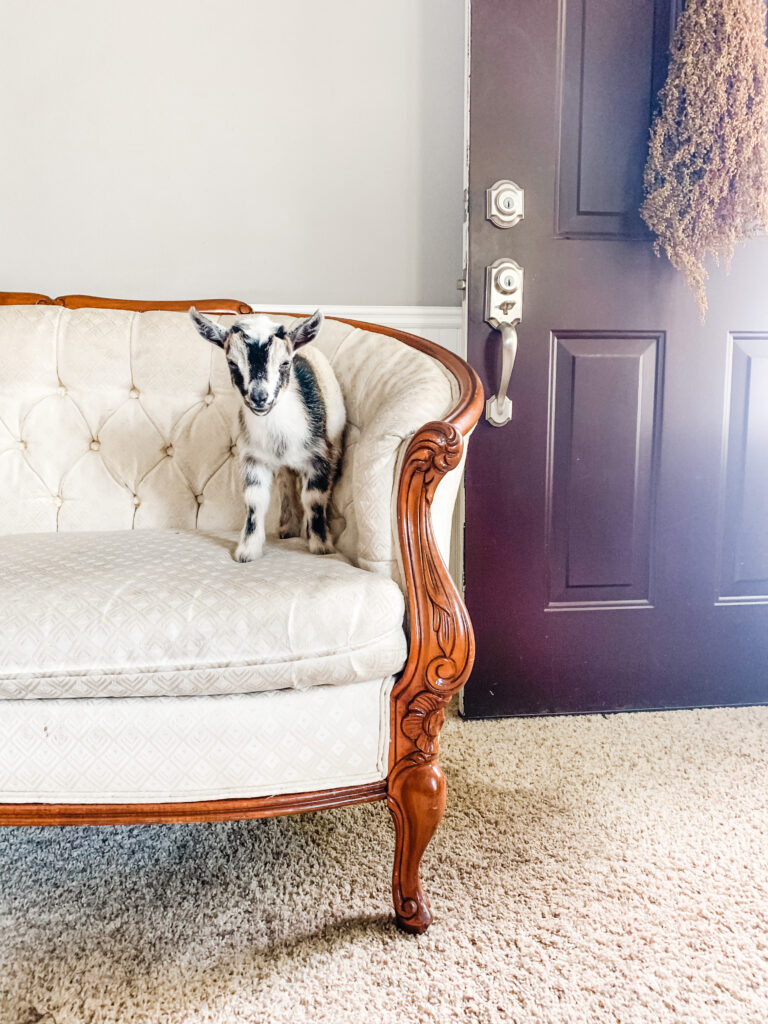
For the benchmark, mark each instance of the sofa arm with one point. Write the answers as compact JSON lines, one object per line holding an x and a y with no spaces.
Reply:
{"x":441,"y":651}
{"x":392,"y":384}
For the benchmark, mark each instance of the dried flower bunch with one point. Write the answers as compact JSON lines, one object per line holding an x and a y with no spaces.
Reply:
{"x":706,"y":179}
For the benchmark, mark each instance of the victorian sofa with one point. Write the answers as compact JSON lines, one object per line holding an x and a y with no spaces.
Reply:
{"x":145,"y":676}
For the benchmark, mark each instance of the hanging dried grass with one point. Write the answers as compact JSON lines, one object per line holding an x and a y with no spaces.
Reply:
{"x":706,"y":179}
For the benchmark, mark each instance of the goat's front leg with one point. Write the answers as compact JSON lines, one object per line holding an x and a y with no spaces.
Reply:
{"x":290,"y":519}
{"x":257,"y":483}
{"x":316,"y":487}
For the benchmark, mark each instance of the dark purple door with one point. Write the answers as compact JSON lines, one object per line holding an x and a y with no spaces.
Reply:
{"x":617,"y":527}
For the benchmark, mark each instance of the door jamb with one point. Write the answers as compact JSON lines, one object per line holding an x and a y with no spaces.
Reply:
{"x":459,"y":520}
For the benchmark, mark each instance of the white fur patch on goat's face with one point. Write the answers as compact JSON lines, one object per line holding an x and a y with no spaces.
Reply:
{"x":259,"y":357}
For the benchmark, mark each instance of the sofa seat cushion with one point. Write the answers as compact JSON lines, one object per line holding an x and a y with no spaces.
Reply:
{"x":165,"y":612}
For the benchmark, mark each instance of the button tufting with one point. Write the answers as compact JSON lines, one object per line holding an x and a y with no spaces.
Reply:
{"x":169,"y":450}
{"x":61,"y":390}
{"x":134,"y":392}
{"x":22,"y":446}
{"x":233,"y":449}
{"x":58,"y":501}
{"x":208,"y":398}
{"x":95,"y":445}
{"x":199,"y":499}
{"x":136,"y":500}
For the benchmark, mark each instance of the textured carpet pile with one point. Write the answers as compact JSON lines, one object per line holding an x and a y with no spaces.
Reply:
{"x":587,"y":870}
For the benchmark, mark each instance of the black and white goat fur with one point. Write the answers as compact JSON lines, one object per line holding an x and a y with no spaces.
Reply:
{"x":292,"y":421}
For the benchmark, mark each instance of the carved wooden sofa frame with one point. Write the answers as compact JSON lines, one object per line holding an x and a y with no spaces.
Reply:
{"x":440,"y":650}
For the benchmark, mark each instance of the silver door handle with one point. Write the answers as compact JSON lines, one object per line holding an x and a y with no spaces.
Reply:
{"x":503,"y":311}
{"x":498,"y":408}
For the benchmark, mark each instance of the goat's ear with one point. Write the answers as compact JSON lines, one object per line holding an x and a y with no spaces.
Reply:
{"x":306,"y":330}
{"x":208,"y":329}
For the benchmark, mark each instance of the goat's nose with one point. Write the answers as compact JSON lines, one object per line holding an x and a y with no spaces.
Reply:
{"x":259,"y":394}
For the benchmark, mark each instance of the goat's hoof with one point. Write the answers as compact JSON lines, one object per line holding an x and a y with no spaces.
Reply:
{"x":286,"y":532}
{"x":321,"y":547}
{"x":246,"y":555}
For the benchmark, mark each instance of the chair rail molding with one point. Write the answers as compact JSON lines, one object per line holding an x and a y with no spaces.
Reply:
{"x":442,"y":324}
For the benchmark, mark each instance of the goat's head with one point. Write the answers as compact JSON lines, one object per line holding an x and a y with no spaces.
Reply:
{"x":259,"y":353}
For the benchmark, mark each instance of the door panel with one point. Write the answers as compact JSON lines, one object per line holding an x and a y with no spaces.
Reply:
{"x":604,"y":424}
{"x":612,"y":57}
{"x":616,"y":548}
{"x":744,"y":565}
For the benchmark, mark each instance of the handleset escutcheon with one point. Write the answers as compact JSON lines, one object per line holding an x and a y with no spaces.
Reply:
{"x":503,"y":311}
{"x":504,"y":294}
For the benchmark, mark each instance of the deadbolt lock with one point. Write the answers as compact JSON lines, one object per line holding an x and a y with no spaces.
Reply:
{"x":504,"y":204}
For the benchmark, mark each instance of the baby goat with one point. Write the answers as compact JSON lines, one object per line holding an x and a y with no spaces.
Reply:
{"x":293,"y":416}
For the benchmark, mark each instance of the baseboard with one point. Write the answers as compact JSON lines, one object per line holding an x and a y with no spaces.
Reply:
{"x":441,"y":324}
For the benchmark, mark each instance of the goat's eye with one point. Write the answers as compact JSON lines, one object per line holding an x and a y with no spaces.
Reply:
{"x":234,"y":371}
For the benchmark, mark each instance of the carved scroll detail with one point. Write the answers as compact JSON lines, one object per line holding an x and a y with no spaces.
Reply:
{"x":442,"y":643}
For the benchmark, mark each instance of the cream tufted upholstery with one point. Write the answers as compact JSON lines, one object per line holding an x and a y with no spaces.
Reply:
{"x":194,"y":677}
{"x":113,"y":420}
{"x":390,"y":390}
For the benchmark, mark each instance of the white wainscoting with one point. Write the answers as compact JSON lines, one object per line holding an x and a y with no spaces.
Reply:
{"x":441,"y":324}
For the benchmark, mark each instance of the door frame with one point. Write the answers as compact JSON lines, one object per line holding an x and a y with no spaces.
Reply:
{"x":460,"y":514}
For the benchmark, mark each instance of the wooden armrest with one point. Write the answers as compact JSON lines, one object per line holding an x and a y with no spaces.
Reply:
{"x":441,"y":652}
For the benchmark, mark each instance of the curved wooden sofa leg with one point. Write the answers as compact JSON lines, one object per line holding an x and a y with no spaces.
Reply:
{"x":416,"y":799}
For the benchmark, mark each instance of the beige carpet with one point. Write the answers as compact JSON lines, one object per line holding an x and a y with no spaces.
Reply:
{"x":588,"y":870}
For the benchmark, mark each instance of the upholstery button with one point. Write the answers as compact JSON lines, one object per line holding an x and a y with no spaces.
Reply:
{"x":208,"y":398}
{"x":22,"y":446}
{"x":95,"y":445}
{"x":233,"y":449}
{"x":61,"y":390}
{"x":136,"y":500}
{"x":134,"y":392}
{"x":169,"y":450}
{"x":199,"y":499}
{"x":58,"y":501}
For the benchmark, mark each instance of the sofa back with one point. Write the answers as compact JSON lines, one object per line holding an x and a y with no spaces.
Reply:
{"x":112,"y":420}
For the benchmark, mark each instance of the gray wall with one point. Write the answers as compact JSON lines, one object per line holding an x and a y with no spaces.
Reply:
{"x":274,"y":150}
